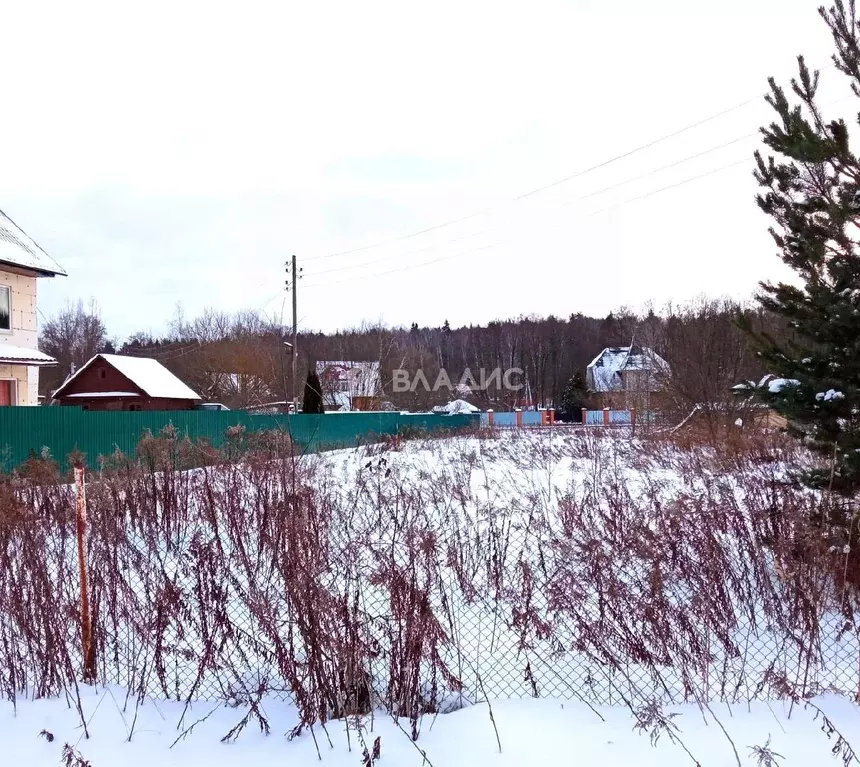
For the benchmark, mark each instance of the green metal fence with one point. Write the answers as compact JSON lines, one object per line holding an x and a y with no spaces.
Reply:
{"x":25,"y":431}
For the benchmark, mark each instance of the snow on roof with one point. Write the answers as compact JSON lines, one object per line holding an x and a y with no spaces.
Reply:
{"x":148,"y":374}
{"x":24,"y":356}
{"x":18,"y":249}
{"x":604,"y":371}
{"x":457,"y":406}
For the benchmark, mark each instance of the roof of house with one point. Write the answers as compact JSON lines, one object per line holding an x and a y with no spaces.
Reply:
{"x":149,"y":375}
{"x":605,"y":369}
{"x":18,"y":249}
{"x":21,"y":355}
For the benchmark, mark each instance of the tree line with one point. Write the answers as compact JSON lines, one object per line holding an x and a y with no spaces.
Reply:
{"x":241,"y":360}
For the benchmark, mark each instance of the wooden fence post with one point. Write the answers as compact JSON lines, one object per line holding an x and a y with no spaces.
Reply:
{"x":551,"y":416}
{"x":585,"y":416}
{"x":87,"y":645}
{"x":491,"y":417}
{"x":519,"y":417}
{"x":606,"y":419}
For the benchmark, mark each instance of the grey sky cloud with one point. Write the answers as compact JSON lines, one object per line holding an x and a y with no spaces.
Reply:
{"x":183,"y":154}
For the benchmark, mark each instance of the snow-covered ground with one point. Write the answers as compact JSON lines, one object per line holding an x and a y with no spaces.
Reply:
{"x":542,"y":553}
{"x":533,"y":733}
{"x":574,"y":577}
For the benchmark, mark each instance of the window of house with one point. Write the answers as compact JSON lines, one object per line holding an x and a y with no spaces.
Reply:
{"x":102,"y":373}
{"x":5,"y":308}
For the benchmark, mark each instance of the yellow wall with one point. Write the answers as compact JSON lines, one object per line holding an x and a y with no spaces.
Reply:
{"x":27,"y":382}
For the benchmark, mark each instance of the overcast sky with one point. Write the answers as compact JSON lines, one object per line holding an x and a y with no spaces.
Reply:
{"x":182,"y":152}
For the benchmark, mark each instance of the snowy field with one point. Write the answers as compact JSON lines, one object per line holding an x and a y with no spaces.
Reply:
{"x":533,"y":733}
{"x":578,"y":582}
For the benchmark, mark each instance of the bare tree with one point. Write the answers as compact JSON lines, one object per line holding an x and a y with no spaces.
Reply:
{"x":72,"y":336}
{"x":709,"y":354}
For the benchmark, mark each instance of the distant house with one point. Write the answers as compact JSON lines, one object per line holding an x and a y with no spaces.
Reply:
{"x":349,"y":385}
{"x":22,"y":262}
{"x":626,"y":368}
{"x":117,"y":382}
{"x":625,"y":375}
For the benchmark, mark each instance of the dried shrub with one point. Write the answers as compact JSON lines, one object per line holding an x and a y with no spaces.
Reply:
{"x":573,"y":564}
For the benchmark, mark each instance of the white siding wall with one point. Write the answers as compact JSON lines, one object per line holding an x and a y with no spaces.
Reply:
{"x":24,"y":333}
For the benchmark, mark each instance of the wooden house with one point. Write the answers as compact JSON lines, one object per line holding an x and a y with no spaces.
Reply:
{"x":118,"y":382}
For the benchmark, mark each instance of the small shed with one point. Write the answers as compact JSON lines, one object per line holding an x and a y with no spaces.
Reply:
{"x":118,"y":382}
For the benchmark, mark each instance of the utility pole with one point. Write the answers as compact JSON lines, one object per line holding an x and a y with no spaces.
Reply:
{"x":295,"y":336}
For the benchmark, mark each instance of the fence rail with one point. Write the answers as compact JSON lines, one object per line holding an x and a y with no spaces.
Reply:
{"x":28,"y":431}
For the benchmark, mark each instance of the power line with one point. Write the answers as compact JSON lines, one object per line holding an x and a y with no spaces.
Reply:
{"x":397,"y":255}
{"x":401,"y":269}
{"x":543,"y":188}
{"x":672,"y":186}
{"x":640,"y":177}
{"x":617,"y":185}
{"x":593,"y":213}
{"x":649,"y":145}
{"x":578,"y":174}
{"x":660,"y":169}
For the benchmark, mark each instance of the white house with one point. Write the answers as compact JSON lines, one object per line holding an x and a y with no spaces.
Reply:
{"x":627,"y":369}
{"x":22,"y":263}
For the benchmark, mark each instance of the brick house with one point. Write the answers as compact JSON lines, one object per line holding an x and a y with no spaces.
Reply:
{"x":22,"y":263}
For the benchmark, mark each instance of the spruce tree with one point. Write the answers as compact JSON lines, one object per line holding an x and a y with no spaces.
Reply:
{"x":573,"y":399}
{"x":313,"y":401}
{"x":811,"y":191}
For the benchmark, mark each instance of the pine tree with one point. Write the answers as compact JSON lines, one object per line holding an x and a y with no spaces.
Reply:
{"x":313,"y":401}
{"x":573,"y":399}
{"x":810,"y":190}
{"x":445,"y":346}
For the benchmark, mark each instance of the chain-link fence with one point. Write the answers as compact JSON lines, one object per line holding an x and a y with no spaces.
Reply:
{"x":433,"y":575}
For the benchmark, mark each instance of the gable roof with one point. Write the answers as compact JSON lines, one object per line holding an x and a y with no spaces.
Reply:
{"x":148,"y":374}
{"x":18,"y":249}
{"x":604,"y":372}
